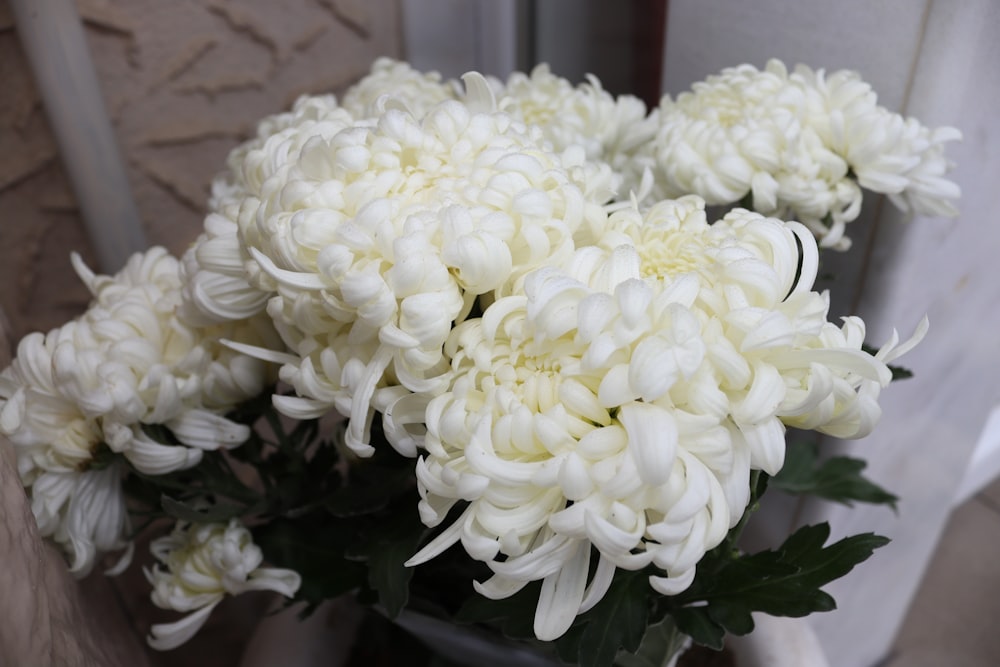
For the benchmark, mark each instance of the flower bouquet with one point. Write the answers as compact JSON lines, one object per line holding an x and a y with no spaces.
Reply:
{"x":520,"y":358}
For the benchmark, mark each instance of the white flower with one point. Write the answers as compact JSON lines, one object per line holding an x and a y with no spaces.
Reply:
{"x":623,"y":410}
{"x":391,"y":81}
{"x":888,"y":153}
{"x":320,"y":111}
{"x":164,"y":372}
{"x":204,"y":563}
{"x":378,"y":238}
{"x":752,"y":278}
{"x":610,"y":130}
{"x":798,"y":145}
{"x":557,"y":450}
{"x":85,"y":513}
{"x":217,"y":287}
{"x":126,"y":362}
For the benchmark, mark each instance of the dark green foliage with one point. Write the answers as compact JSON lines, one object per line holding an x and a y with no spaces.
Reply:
{"x":837,"y":478}
{"x":784,"y":582}
{"x":385,"y":547}
{"x":313,"y":547}
{"x":617,"y":622}
{"x":348,"y":525}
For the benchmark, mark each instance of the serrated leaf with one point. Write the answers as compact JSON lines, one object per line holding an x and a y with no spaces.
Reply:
{"x":733,"y":620}
{"x":838,"y":478}
{"x":784,"y":582}
{"x":390,"y":542}
{"x":696,"y":623}
{"x":389,"y":576}
{"x":210,"y":514}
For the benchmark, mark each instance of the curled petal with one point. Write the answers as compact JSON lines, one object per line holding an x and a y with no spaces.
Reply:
{"x":561,"y":595}
{"x":167,"y":636}
{"x":652,"y":434}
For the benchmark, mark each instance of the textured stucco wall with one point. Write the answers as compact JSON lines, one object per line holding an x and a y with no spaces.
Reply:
{"x":184,"y":81}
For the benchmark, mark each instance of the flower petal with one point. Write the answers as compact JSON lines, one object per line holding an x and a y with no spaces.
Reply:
{"x":652,"y":437}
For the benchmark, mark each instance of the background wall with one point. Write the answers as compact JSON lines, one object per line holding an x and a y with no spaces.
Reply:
{"x":184,"y":81}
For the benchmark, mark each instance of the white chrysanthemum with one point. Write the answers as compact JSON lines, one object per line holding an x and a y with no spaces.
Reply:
{"x":752,"y":278}
{"x":308,"y":110}
{"x":84,"y":512}
{"x":556,"y":454}
{"x":388,"y":78}
{"x":217,"y":288}
{"x":215,"y":285}
{"x":610,"y":130}
{"x":887,"y":153}
{"x":798,"y":145}
{"x":174,"y":374}
{"x":204,"y":563}
{"x":625,"y":413}
{"x":417,"y":91}
{"x":378,"y":238}
{"x":126,"y":362}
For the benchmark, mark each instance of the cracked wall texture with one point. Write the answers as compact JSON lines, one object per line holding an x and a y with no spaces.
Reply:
{"x":184,"y":81}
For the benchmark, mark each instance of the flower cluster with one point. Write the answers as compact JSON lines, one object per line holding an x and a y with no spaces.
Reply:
{"x":585,"y":373}
{"x":623,"y":409}
{"x":611,"y":131}
{"x":202,"y":563}
{"x":799,"y":145}
{"x":128,"y":362}
{"x":374,"y":238}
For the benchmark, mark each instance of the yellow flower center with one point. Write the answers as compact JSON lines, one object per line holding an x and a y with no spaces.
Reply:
{"x":670,"y":255}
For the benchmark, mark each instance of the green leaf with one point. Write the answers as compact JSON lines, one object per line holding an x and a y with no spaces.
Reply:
{"x":838,"y":478}
{"x":388,"y":575}
{"x":696,"y":623}
{"x":394,"y":541}
{"x":733,"y":620}
{"x":316,"y":551}
{"x":211,"y":514}
{"x":782,"y":582}
{"x":659,"y":644}
{"x":617,"y":622}
{"x":900,"y":373}
{"x":516,"y":613}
